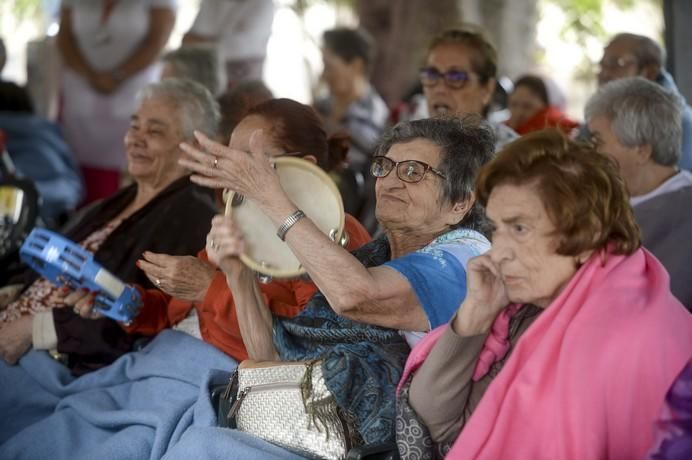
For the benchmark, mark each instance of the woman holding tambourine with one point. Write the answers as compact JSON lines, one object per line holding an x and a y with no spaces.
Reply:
{"x":387,"y":293}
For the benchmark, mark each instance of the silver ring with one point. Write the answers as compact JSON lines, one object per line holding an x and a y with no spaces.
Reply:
{"x":216,"y":163}
{"x":212,"y":243}
{"x":157,"y":282}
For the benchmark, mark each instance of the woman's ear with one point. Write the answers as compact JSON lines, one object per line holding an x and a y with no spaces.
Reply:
{"x":461,"y":209}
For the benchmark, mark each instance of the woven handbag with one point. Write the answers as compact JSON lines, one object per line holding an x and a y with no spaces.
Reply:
{"x":289,"y":405}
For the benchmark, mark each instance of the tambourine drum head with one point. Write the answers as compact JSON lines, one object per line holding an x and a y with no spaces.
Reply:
{"x":311,"y":190}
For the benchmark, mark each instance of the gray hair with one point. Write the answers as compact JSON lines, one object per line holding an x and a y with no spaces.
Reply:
{"x":647,"y":51}
{"x":198,"y":108}
{"x":466,"y":144}
{"x":641,"y":112}
{"x":195,"y":63}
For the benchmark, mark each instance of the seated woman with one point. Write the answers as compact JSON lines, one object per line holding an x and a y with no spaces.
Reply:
{"x":119,"y":229}
{"x":409,"y":280}
{"x":530,"y":108}
{"x":569,"y":336}
{"x":194,"y":296}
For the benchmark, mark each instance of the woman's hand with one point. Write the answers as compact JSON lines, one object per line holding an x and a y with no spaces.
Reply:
{"x":82,"y":302}
{"x":184,"y":277}
{"x":486,"y":296}
{"x":225,"y":244}
{"x":103,"y":82}
{"x":15,"y":339}
{"x":250,"y":174}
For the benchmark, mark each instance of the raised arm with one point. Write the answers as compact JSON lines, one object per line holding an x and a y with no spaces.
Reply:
{"x":224,"y":245}
{"x":378,"y":295}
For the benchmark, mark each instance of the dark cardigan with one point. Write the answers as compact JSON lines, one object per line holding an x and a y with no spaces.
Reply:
{"x":175,"y":222}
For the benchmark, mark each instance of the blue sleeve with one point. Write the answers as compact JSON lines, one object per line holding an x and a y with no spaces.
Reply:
{"x":686,"y":155}
{"x":438,"y":279}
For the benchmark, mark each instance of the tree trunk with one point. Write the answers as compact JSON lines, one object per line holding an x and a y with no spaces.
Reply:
{"x":402,"y":30}
{"x":511,"y":26}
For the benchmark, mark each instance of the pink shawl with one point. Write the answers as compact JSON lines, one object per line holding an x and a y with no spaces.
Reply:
{"x":587,"y":380}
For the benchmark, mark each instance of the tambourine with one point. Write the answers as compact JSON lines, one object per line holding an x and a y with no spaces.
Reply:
{"x":312,"y":191}
{"x":65,"y":263}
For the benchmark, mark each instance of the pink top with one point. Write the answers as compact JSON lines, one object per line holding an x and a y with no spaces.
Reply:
{"x":588,"y":378}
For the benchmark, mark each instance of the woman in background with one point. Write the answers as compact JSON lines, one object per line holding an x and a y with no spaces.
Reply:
{"x":530,"y":108}
{"x":109,"y":48}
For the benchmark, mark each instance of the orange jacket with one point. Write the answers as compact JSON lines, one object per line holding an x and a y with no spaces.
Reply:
{"x":218,"y":321}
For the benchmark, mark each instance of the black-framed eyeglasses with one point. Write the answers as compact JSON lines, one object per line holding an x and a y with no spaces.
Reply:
{"x":455,"y":79}
{"x":410,"y":171}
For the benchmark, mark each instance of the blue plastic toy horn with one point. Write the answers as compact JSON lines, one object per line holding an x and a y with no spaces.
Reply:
{"x":65,"y":263}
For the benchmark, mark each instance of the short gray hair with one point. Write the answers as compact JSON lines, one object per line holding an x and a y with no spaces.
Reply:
{"x":195,"y":63}
{"x":465,"y":143}
{"x":641,"y":112}
{"x":647,"y":51}
{"x":198,"y":108}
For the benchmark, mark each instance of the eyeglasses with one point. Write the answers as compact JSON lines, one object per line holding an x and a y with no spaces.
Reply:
{"x":410,"y":171}
{"x":613,"y":63}
{"x":455,"y":79}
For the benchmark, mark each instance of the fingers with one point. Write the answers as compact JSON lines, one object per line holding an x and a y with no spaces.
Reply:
{"x":204,"y":181}
{"x":149,"y":269}
{"x":156,"y":274}
{"x":85,"y":306}
{"x":212,"y":146}
{"x":224,"y":239}
{"x":484,"y":263}
{"x":157,"y":259}
{"x":75,"y":296}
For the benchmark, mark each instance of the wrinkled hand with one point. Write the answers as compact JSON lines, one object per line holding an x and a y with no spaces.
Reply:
{"x":82,"y":302}
{"x":225,"y":244}
{"x":486,"y":296}
{"x":217,"y":166}
{"x":184,"y":277}
{"x":15,"y":339}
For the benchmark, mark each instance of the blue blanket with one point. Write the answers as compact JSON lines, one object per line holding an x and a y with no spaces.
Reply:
{"x":137,"y":408}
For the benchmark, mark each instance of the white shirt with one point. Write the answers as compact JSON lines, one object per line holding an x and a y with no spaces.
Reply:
{"x":682,"y":179}
{"x":106,"y":44}
{"x":241,"y":28}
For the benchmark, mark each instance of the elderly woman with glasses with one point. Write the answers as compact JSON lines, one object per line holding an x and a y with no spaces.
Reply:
{"x":459,"y":77}
{"x":387,"y":293}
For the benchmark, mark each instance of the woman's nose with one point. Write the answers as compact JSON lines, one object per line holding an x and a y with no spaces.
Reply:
{"x":132,"y":138}
{"x":500,"y":250}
